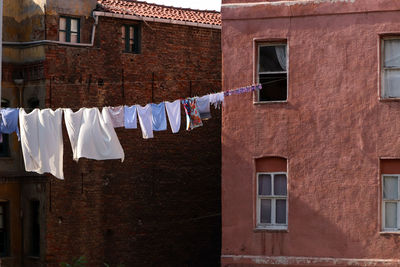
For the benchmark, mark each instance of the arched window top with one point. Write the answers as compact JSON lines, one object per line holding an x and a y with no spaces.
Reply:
{"x":271,"y":164}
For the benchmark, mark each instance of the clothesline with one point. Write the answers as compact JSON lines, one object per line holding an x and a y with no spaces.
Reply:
{"x":92,"y":133}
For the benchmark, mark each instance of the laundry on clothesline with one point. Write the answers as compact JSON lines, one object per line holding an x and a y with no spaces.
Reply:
{"x":203,"y":103}
{"x":158,"y":117}
{"x":193,"y":119}
{"x":116,"y":115}
{"x":91,"y":132}
{"x":130,"y":117}
{"x":92,"y":135}
{"x":242,"y":90}
{"x":41,"y":141}
{"x":174,"y":114}
{"x":8,"y":122}
{"x":146,"y":120}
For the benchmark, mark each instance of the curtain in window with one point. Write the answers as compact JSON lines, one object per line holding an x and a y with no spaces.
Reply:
{"x":392,"y":83}
{"x":392,"y":53}
{"x":280,"y":51}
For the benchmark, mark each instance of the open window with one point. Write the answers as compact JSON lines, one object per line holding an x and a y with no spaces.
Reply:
{"x":272,"y":72}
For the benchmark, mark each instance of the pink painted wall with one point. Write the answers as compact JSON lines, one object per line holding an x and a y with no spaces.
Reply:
{"x":333,"y":130}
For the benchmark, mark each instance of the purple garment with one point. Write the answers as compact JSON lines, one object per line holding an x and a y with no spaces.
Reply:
{"x":117,"y":116}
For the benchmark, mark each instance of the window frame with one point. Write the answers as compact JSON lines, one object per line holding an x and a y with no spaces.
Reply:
{"x":273,"y":225}
{"x":136,"y":48}
{"x":260,"y":44}
{"x":68,"y":29}
{"x":383,"y":201}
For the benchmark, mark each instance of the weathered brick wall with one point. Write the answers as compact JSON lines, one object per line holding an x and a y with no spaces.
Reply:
{"x":161,"y":206}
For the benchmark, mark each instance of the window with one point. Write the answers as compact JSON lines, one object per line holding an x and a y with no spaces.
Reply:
{"x":272,"y":204}
{"x":35,"y":228}
{"x":69,"y":30}
{"x":4,"y":138}
{"x":272,"y":72}
{"x":131,"y":38}
{"x":4,"y":229}
{"x":390,"y":203}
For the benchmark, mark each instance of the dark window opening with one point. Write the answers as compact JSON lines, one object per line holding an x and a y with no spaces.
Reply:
{"x":35,"y":228}
{"x":69,"y":30}
{"x":131,"y":38}
{"x":272,"y":73}
{"x":4,"y":138}
{"x":33,"y":103}
{"x":4,"y":229}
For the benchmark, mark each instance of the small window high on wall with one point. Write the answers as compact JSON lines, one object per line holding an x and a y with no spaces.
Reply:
{"x":272,"y":193}
{"x":131,"y":38}
{"x":69,"y":30}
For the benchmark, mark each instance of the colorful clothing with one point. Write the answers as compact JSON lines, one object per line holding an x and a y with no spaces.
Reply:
{"x":193,"y":119}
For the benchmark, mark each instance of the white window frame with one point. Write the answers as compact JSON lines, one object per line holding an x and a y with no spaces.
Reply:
{"x":273,"y":225}
{"x":383,"y":68}
{"x":391,"y":201}
{"x":272,"y":72}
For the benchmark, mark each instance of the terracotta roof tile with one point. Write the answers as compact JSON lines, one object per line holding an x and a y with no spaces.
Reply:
{"x":143,"y":9}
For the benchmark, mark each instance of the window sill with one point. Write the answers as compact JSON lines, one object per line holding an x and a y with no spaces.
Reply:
{"x":392,"y":99}
{"x":271,"y":102}
{"x":274,"y":229}
{"x":389,"y":232}
{"x":130,"y":53}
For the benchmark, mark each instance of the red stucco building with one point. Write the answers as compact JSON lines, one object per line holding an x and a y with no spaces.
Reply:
{"x":161,"y":206}
{"x":310,"y":166}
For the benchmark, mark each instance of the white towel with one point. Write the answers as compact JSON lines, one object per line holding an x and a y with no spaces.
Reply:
{"x":174,"y":115}
{"x":41,"y":141}
{"x":145,"y":118}
{"x":92,"y":135}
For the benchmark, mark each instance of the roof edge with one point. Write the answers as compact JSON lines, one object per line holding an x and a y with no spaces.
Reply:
{"x":153,"y":19}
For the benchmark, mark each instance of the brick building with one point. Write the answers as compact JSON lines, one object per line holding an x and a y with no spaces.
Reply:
{"x":315,"y":181}
{"x":161,"y":206}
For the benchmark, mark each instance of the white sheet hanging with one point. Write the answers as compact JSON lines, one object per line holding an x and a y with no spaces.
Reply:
{"x":174,"y":114}
{"x":41,"y":141}
{"x":92,"y":135}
